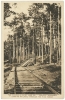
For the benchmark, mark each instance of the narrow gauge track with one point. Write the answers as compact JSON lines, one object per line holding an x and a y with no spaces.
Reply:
{"x":26,"y":82}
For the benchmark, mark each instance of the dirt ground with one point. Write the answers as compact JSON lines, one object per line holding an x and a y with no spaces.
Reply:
{"x":51,"y":74}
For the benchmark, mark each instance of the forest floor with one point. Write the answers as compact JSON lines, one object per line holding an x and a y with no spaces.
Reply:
{"x":51,"y":74}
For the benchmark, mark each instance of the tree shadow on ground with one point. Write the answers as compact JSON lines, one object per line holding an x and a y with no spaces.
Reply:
{"x":53,"y":68}
{"x":57,"y":83}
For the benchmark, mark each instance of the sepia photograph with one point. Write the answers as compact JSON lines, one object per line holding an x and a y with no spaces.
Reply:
{"x":32,"y":39}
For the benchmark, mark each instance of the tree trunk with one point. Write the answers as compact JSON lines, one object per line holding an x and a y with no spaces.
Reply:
{"x":19,"y":54}
{"x":42,"y":42}
{"x":50,"y":39}
{"x":33,"y":45}
{"x":23,"y":50}
{"x":42,"y":51}
{"x":54,"y":38}
{"x":13,"y":49}
{"x":10,"y":56}
{"x":45,"y":50}
{"x":16,"y":49}
{"x":39,"y":47}
{"x":20,"y":50}
{"x":58,"y":36}
{"x":26,"y":53}
{"x":37,"y":53}
{"x":28,"y":48}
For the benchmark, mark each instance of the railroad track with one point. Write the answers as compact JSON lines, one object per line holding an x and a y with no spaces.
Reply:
{"x":28,"y":82}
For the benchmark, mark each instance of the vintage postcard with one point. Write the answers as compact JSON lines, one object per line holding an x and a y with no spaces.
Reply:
{"x":32,"y":49}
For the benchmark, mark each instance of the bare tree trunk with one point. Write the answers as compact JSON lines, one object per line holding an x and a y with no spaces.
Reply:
{"x":23,"y":50}
{"x":57,"y":55}
{"x":28,"y":48}
{"x":13,"y":49}
{"x":42,"y":51}
{"x":50,"y":39}
{"x":42,"y":42}
{"x":39,"y":47}
{"x":20,"y":50}
{"x":54,"y":44}
{"x":58,"y":36}
{"x":45,"y":49}
{"x":16,"y":49}
{"x":19,"y":54}
{"x":26,"y":53}
{"x":54,"y":38}
{"x":33,"y":45}
{"x":10,"y":56}
{"x":37,"y":53}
